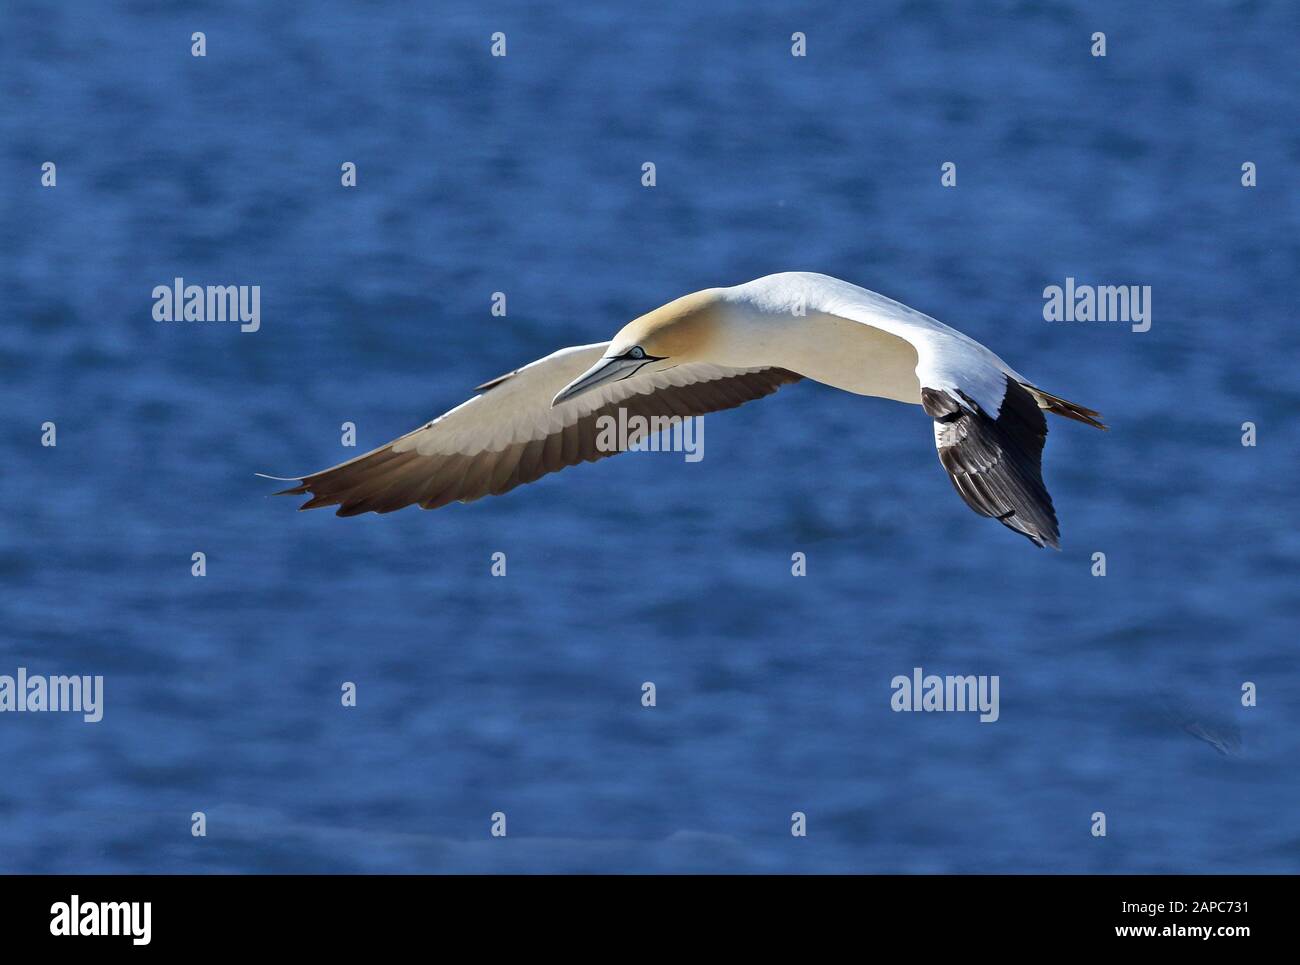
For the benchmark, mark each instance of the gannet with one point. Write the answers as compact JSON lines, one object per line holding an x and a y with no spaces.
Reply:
{"x":713,"y":350}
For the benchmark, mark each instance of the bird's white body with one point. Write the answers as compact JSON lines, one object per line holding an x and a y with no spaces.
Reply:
{"x":716,"y":349}
{"x":857,"y":340}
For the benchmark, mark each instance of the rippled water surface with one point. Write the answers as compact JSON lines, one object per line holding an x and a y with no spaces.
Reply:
{"x":522,"y":694}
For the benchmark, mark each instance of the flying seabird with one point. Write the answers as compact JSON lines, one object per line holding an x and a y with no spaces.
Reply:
{"x":713,"y":350}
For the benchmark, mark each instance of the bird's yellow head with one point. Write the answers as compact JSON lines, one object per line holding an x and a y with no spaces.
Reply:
{"x":681,"y":331}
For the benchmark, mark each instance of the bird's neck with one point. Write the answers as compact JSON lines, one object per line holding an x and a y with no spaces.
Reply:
{"x":826,"y":348}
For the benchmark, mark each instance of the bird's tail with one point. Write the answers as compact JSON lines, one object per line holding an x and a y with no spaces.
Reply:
{"x":1070,"y":410}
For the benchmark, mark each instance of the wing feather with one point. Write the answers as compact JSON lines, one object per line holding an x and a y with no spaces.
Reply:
{"x":510,"y":434}
{"x":995,"y":464}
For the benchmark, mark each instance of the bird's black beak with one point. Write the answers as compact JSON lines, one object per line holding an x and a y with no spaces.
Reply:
{"x":603,"y":372}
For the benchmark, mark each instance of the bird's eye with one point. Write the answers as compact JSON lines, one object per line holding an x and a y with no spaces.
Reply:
{"x":637,"y":353}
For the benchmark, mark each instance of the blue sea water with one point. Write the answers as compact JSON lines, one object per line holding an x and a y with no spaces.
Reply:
{"x":521,"y":694}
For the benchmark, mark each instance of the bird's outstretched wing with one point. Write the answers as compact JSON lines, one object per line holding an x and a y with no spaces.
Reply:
{"x":510,"y":434}
{"x":996,"y":464}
